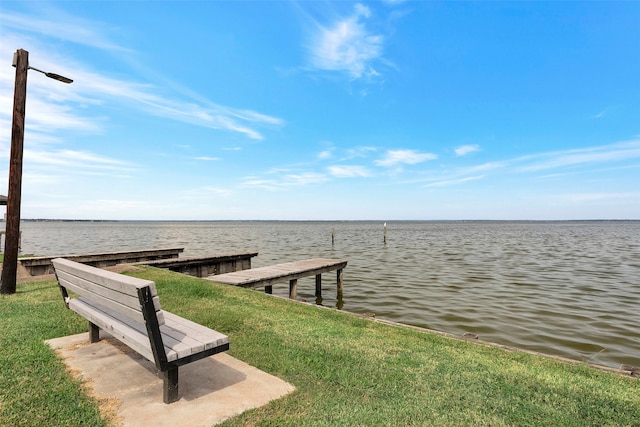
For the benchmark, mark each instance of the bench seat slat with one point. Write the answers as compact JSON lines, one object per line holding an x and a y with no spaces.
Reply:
{"x":175,"y":341}
{"x":177,"y":332}
{"x":208,"y":337}
{"x":123,"y":331}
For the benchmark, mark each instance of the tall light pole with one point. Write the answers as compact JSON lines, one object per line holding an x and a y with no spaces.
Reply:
{"x":12,"y":238}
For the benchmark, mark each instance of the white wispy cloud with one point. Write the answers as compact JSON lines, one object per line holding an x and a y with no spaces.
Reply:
{"x":449,"y":182}
{"x":601,"y":114}
{"x":54,"y":106}
{"x":207,"y":114}
{"x":304,"y":179}
{"x":326,"y":154}
{"x":47,"y":117}
{"x":206,"y":158}
{"x":73,"y":160}
{"x":206,"y":192}
{"x":285,"y":181}
{"x":347,"y":45}
{"x":359,"y":152}
{"x":622,"y":151}
{"x":409,"y":157}
{"x":349,"y":171}
{"x":598,"y":160}
{"x":591,"y":197}
{"x":466,"y":149}
{"x":55,"y":23}
{"x":488,"y":166}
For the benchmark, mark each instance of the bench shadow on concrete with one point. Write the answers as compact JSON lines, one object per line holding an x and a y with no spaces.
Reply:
{"x":197,"y":379}
{"x":211,"y":389}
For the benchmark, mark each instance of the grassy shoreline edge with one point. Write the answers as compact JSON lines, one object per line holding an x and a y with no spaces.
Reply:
{"x":474,"y":339}
{"x":347,"y":370}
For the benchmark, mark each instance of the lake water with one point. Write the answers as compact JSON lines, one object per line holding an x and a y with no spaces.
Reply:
{"x":565,"y":288}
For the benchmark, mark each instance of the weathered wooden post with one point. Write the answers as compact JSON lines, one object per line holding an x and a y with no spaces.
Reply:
{"x":318,"y":285}
{"x":339,"y":279}
{"x":11,"y":241}
{"x":333,"y":236}
{"x":385,"y":233}
{"x":12,"y":237}
{"x":293,"y":288}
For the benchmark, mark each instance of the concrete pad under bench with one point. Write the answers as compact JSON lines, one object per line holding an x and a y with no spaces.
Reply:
{"x":212,"y":389}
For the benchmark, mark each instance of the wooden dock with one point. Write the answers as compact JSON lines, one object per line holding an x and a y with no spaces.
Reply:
{"x":280,"y":273}
{"x":38,"y":266}
{"x":207,"y":265}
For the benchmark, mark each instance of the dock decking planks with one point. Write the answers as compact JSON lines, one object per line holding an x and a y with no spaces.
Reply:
{"x":290,"y":271}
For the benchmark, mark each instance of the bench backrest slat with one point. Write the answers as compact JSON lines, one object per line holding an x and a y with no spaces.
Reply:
{"x":139,"y":342}
{"x":121,"y":302}
{"x":114,"y":291}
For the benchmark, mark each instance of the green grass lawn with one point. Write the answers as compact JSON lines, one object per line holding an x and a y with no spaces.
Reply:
{"x":346,"y":370}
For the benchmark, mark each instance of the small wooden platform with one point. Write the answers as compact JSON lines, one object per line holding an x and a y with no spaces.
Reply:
{"x":290,"y":271}
{"x":38,"y":266}
{"x":207,"y":265}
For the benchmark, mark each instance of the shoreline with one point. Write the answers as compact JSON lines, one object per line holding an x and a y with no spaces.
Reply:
{"x":631,"y":371}
{"x":346,"y":369}
{"x":561,"y":288}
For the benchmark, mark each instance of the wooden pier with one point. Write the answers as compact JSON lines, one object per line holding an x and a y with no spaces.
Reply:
{"x":206,"y":266}
{"x":161,"y":258}
{"x":280,"y":273}
{"x":37,"y":266}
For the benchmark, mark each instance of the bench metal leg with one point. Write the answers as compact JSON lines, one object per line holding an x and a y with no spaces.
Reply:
{"x":94,"y":332}
{"x":170,"y":386}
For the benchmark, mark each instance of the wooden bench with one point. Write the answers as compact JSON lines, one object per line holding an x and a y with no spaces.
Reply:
{"x":129,"y":309}
{"x":289,"y":271}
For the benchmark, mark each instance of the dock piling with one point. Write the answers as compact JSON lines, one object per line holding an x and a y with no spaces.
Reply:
{"x":318,"y":285}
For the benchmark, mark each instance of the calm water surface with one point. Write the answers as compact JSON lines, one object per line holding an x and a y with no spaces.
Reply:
{"x":565,"y":288}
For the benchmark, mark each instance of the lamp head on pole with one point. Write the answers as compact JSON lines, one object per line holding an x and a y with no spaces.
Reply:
{"x":54,"y":76}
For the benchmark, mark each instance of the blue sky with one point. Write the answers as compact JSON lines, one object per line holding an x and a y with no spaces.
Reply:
{"x":205,"y":110}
